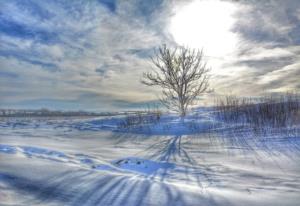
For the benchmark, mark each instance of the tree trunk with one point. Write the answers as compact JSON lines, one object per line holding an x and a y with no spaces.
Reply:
{"x":182,"y":110}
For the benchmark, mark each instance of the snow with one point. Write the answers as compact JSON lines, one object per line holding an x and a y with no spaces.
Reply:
{"x":196,"y":161}
{"x":7,"y":149}
{"x":141,"y":165}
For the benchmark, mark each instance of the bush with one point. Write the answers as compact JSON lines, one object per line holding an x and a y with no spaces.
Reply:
{"x":140,"y":118}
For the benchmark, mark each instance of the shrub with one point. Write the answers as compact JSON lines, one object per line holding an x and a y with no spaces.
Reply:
{"x":140,"y":118}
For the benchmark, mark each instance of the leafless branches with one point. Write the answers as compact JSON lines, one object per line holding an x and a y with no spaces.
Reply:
{"x":181,"y":73}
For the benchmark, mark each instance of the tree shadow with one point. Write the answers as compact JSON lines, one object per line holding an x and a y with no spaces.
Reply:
{"x":83,"y":187}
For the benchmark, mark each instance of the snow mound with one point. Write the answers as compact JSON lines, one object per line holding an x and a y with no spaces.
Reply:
{"x":7,"y":149}
{"x":143,"y":166}
{"x":167,"y":125}
{"x":32,"y":151}
{"x":129,"y":164}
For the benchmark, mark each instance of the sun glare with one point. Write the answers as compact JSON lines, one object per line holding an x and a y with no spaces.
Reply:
{"x":205,"y":24}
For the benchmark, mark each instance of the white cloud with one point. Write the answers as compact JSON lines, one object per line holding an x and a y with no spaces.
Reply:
{"x":87,"y":36}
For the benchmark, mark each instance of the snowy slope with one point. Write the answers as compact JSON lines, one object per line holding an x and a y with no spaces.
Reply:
{"x":198,"y":161}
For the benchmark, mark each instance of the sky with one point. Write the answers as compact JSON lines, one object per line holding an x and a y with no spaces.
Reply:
{"x":91,"y":54}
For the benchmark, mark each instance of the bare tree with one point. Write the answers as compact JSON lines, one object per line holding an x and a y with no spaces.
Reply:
{"x":181,"y":73}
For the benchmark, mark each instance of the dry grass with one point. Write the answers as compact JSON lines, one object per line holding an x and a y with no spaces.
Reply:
{"x":140,"y":118}
{"x":273,"y":111}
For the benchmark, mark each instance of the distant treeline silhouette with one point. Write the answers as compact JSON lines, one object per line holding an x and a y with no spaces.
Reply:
{"x":54,"y":113}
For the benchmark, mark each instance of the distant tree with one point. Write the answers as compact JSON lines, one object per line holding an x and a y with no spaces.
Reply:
{"x":181,"y":73}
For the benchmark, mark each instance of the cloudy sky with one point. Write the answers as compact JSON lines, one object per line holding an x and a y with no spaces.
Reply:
{"x":90,"y":55}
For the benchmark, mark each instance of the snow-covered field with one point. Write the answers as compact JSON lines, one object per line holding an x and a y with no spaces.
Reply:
{"x":195,"y":162}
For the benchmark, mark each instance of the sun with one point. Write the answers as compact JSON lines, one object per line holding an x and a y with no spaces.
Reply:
{"x":205,"y":24}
